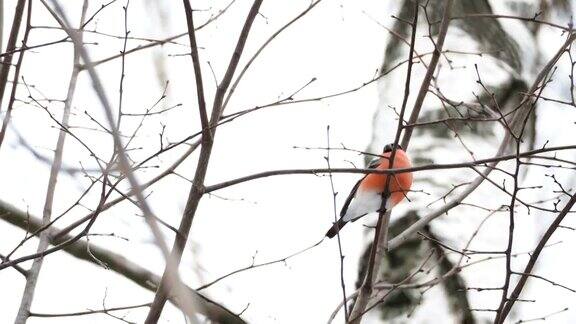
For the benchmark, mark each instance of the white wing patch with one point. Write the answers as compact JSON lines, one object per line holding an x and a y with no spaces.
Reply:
{"x":364,"y":202}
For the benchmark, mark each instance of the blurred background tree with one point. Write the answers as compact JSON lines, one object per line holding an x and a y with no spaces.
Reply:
{"x":515,"y":48}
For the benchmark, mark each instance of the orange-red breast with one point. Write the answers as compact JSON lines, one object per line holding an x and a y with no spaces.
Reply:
{"x":366,"y":195}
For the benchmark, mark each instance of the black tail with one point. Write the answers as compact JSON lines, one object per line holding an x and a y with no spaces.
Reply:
{"x":336,"y":228}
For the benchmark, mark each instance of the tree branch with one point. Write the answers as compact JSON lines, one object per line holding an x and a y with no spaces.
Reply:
{"x":5,"y":68}
{"x":115,"y":262}
{"x":187,"y":300}
{"x":197,"y":189}
{"x":427,"y":167}
{"x":34,"y":272}
{"x":380,"y":242}
{"x":7,"y":61}
{"x":429,"y":73}
{"x":533,"y":258}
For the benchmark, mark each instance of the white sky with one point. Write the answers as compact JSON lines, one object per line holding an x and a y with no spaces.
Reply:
{"x":338,"y":44}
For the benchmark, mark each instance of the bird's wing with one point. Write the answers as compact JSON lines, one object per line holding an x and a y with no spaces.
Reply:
{"x":372,"y":165}
{"x":350,"y":196}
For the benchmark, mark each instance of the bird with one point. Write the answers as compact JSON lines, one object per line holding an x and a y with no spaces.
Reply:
{"x":366,"y":195}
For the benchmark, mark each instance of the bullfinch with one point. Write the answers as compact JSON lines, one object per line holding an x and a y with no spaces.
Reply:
{"x":366,"y":195}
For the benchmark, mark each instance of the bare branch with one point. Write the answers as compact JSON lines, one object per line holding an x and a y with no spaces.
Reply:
{"x":197,"y":190}
{"x":533,"y":258}
{"x":115,"y":262}
{"x":34,"y":272}
{"x":7,"y":61}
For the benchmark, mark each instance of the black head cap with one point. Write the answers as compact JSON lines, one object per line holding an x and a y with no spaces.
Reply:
{"x":389,"y":147}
